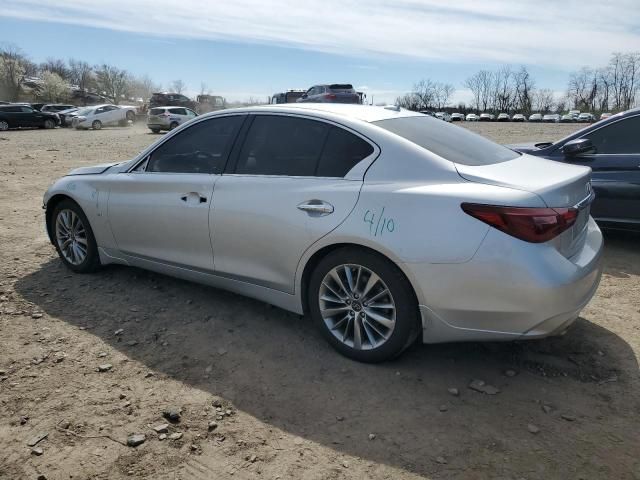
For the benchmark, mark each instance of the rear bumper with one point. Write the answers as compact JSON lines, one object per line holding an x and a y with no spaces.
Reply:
{"x":510,"y":290}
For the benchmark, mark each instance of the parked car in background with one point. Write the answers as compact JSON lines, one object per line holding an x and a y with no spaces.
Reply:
{"x":536,"y":117}
{"x":457,"y":117}
{"x":518,"y":117}
{"x":333,"y":93}
{"x":209,"y":103}
{"x":611,"y":148}
{"x":25,"y":116}
{"x":586,"y":118}
{"x":290,"y":96}
{"x":472,"y":117}
{"x":168,"y":118}
{"x":504,"y":117}
{"x":314,"y":210}
{"x":567,"y":118}
{"x":55,"y":107}
{"x":100,"y":116}
{"x":431,"y":113}
{"x":67,"y":115}
{"x":443,"y":116}
{"x":551,"y":118}
{"x":574,"y":113}
{"x":605,"y":115}
{"x":487,"y":117}
{"x":174,"y":99}
{"x":35,"y":106}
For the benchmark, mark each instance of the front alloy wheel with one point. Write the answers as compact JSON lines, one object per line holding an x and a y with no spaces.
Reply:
{"x":73,"y":237}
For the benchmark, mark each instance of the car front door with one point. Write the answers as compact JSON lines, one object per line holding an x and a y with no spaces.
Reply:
{"x":30,"y":117}
{"x":616,"y":170}
{"x":286,"y":187}
{"x":159,"y":210}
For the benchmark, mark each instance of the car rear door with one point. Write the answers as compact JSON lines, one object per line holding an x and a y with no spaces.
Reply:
{"x":159,"y":211}
{"x":287,"y":186}
{"x":616,"y":170}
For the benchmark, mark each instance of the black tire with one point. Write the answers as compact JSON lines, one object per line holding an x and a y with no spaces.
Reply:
{"x":155,"y":130}
{"x":407,"y":318}
{"x":92,"y":260}
{"x":49,"y":124}
{"x":96,"y":125}
{"x":4,"y":125}
{"x":131,"y":117}
{"x":173,"y":125}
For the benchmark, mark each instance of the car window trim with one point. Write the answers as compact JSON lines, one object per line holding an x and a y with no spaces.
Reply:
{"x":233,"y":158}
{"x":558,"y":146}
{"x":147,"y":154}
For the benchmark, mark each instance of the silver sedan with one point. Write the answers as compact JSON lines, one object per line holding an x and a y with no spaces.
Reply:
{"x":382,"y":224}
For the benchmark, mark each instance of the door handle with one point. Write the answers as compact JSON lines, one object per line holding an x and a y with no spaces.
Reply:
{"x":185,"y":197}
{"x":316,"y":206}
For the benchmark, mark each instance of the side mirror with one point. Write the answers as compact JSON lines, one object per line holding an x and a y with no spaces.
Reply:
{"x":578,"y":146}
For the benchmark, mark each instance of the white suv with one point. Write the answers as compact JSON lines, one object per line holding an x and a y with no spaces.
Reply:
{"x":168,"y":118}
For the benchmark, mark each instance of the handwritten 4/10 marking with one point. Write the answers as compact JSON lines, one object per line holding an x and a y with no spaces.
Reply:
{"x":381,"y":224}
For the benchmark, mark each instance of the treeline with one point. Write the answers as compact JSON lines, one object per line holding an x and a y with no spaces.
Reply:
{"x":57,"y":80}
{"x":612,"y":88}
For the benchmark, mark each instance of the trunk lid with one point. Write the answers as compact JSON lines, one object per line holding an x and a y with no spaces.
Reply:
{"x":557,"y":184}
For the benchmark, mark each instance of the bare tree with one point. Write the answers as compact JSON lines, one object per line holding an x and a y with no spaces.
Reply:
{"x":178,"y":86}
{"x":410,"y":101}
{"x":480,"y":85}
{"x":57,"y":66}
{"x":112,"y":82}
{"x":143,"y":87}
{"x":543,"y":100}
{"x":443,"y":93}
{"x":523,"y":86}
{"x":204,"y":89}
{"x":81,"y":74}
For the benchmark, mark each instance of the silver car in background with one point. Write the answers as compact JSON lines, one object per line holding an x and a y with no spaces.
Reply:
{"x":381,"y":224}
{"x":168,"y":118}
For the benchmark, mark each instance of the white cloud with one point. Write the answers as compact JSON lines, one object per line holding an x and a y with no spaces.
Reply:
{"x":569,"y":33}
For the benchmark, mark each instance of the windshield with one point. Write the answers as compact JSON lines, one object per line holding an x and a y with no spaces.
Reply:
{"x":451,"y":142}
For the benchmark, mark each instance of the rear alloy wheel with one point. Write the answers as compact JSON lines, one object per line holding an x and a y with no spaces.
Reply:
{"x":364,"y":305}
{"x":173,"y":125}
{"x":96,"y":125}
{"x":4,"y":126}
{"x":74,"y":238}
{"x":48,"y":124}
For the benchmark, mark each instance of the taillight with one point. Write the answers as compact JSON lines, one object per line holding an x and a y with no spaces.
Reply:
{"x":535,"y":225}
{"x":330,"y":96}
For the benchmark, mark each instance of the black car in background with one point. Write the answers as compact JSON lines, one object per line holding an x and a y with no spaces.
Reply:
{"x":290,"y":96}
{"x":19,"y":116}
{"x":611,"y":147}
{"x":333,"y":93}
{"x":171,"y":100}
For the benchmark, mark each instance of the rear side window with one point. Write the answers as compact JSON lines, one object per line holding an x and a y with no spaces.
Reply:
{"x":451,"y":142}
{"x":280,"y":145}
{"x":342,"y":151}
{"x":201,"y":148}
{"x":620,"y":137}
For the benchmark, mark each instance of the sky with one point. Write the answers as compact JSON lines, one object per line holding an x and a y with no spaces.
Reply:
{"x":254,"y":48}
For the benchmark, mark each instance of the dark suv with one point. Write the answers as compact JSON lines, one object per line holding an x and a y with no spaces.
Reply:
{"x":171,"y":100}
{"x":334,"y":93}
{"x":611,"y":148}
{"x":16,"y":116}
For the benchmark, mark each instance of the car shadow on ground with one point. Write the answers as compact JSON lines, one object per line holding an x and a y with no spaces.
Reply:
{"x":276,"y":367}
{"x":622,"y":253}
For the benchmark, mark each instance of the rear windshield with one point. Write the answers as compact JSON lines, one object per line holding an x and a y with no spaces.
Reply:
{"x":342,"y":87}
{"x":454,"y":143}
{"x":156,"y":111}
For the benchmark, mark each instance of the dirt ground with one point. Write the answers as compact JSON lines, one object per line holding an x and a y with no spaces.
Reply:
{"x":285,"y":404}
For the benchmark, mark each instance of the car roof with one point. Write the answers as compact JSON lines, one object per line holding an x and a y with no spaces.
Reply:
{"x":366,"y":113}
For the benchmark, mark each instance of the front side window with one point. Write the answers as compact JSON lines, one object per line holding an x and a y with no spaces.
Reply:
{"x":450,"y":142}
{"x":281,"y":145}
{"x":201,"y":148}
{"x":26,"y":109}
{"x":620,"y":137}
